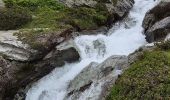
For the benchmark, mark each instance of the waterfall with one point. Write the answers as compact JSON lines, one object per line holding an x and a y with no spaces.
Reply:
{"x":122,"y":39}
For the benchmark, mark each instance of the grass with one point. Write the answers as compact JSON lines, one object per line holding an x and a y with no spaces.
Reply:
{"x":14,"y":18}
{"x":53,"y":16}
{"x":146,"y":79}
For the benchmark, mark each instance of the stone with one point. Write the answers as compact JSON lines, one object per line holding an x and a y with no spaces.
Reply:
{"x":159,"y":30}
{"x":16,"y":76}
{"x":156,"y":23}
{"x":96,"y":78}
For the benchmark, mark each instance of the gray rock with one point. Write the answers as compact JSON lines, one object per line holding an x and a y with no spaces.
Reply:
{"x":159,"y":30}
{"x":123,"y":6}
{"x":148,"y":21}
{"x":156,"y":23}
{"x":15,"y":76}
{"x":163,"y":24}
{"x":96,"y":78}
{"x":14,"y":49}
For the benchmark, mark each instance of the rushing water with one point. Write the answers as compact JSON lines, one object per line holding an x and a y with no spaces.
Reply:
{"x":124,"y":38}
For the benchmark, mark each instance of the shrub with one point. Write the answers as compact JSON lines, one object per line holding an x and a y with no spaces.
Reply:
{"x":13,"y":18}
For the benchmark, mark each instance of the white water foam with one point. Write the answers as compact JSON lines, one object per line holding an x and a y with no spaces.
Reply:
{"x":97,"y":48}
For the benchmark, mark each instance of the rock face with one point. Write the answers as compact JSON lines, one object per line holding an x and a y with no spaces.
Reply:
{"x":12,"y":48}
{"x":22,"y":50}
{"x":25,"y":60}
{"x":17,"y":75}
{"x":157,"y":22}
{"x":96,"y":79}
{"x":99,"y":78}
{"x":4,"y":75}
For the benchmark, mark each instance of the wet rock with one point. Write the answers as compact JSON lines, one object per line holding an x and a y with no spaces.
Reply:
{"x":159,"y":30}
{"x":58,"y":58}
{"x":23,"y":74}
{"x":100,"y":46}
{"x":156,"y":22}
{"x":96,"y":78}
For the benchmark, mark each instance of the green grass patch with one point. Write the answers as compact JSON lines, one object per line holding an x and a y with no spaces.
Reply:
{"x":53,"y":16}
{"x":14,"y":18}
{"x":146,"y":79}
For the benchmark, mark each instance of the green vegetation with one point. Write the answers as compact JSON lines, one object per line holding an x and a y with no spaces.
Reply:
{"x":165,"y":45}
{"x":34,"y":4}
{"x":12,"y":18}
{"x":52,"y":16}
{"x":146,"y":79}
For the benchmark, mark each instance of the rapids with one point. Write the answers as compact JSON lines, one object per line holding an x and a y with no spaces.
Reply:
{"x":124,"y":38}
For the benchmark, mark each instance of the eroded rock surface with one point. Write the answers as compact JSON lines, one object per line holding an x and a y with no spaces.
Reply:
{"x":17,"y":75}
{"x":157,"y":22}
{"x":96,"y":78}
{"x":25,"y":59}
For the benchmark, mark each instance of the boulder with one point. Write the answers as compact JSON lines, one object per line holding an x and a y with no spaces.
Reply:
{"x":27,"y":48}
{"x":23,"y":74}
{"x":96,"y":79}
{"x":156,"y":22}
{"x":159,"y":30}
{"x":12,"y":48}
